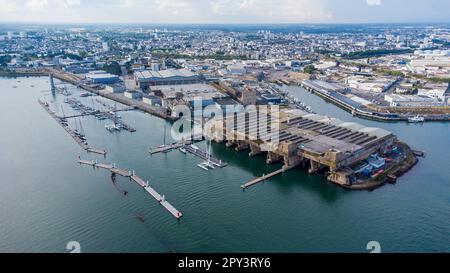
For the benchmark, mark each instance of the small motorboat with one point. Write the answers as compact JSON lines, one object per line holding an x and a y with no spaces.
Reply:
{"x":183,"y":150}
{"x":112,"y":128}
{"x":195,"y":147}
{"x":416,"y":119}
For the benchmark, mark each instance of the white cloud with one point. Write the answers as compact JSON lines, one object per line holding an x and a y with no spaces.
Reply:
{"x":171,"y":5}
{"x":213,"y":11}
{"x":7,"y":6}
{"x":128,"y":3}
{"x":266,"y":11}
{"x":374,"y":2}
{"x":37,"y":5}
{"x":72,"y":3}
{"x":246,"y":5}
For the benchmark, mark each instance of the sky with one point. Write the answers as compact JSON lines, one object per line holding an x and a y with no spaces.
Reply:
{"x":224,"y":11}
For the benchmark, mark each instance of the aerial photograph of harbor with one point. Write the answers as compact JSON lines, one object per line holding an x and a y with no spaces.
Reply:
{"x":225,"y":126}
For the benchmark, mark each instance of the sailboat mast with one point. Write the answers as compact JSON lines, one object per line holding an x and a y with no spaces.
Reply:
{"x":209,"y":152}
{"x":115,"y":114}
{"x":165,"y":128}
{"x":81,"y":127}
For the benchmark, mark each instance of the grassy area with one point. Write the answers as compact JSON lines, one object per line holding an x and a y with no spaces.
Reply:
{"x":375,"y":53}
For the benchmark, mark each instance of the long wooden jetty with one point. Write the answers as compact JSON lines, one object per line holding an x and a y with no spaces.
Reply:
{"x":82,"y":143}
{"x":133,"y":177}
{"x":261,"y":179}
{"x":266,"y":177}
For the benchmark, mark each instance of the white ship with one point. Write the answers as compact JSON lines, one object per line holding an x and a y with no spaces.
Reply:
{"x":416,"y":119}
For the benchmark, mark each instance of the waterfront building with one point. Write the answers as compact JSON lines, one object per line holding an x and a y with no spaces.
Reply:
{"x":369,"y":84}
{"x":133,"y":94}
{"x":304,"y":138}
{"x":440,"y":91}
{"x":396,"y":100}
{"x":190,"y":94}
{"x":325,"y":86}
{"x":116,"y":88}
{"x":101,"y":77}
{"x":152,"y":100}
{"x":146,"y":79}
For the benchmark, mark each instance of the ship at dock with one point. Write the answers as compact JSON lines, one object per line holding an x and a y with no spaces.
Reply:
{"x":416,"y":119}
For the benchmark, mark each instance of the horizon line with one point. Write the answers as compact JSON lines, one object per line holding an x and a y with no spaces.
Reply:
{"x":224,"y":23}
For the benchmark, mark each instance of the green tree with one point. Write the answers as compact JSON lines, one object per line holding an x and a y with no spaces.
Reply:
{"x":113,"y":68}
{"x":309,"y":69}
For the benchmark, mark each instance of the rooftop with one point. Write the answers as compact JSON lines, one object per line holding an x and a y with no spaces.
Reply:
{"x":164,"y":74}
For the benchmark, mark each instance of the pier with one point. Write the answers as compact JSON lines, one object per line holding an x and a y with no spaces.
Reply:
{"x":79,"y":139}
{"x":133,"y":177}
{"x":111,"y":114}
{"x":165,"y":148}
{"x":261,"y":179}
{"x":96,"y":151}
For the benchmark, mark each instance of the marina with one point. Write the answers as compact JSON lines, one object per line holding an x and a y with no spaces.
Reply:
{"x":335,"y":136}
{"x":79,"y":138}
{"x":110,"y":114}
{"x":142,"y":183}
{"x":212,"y":199}
{"x":185,"y":148}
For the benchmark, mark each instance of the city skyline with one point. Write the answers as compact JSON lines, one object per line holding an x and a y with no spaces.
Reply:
{"x":223,"y":11}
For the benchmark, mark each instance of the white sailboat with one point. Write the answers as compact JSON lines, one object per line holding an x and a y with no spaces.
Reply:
{"x":162,"y":148}
{"x":182,"y":148}
{"x":113,"y":127}
{"x":207,"y":165}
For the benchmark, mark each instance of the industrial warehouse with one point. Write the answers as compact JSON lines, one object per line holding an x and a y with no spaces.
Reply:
{"x":146,"y":79}
{"x":297,"y":138}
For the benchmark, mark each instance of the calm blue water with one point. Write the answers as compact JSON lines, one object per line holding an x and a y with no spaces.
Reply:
{"x":47,"y":200}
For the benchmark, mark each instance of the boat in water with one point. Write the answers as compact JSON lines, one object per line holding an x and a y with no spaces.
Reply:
{"x":195,"y":147}
{"x":208,"y":164}
{"x":183,"y":150}
{"x":416,"y":119}
{"x":112,"y":128}
{"x":86,"y":94}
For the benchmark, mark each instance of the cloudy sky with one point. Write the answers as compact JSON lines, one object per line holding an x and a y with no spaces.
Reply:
{"x":224,"y":11}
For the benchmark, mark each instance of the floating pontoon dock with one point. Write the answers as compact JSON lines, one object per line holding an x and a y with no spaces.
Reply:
{"x":261,"y":179}
{"x":133,"y":177}
{"x":83,"y":144}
